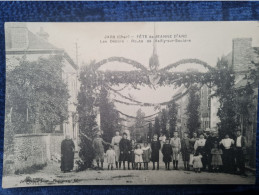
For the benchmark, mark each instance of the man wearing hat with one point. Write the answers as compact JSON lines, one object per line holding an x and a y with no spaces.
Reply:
{"x":98,"y":149}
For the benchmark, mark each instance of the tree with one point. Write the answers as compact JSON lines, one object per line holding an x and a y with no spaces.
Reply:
{"x":87,"y":100}
{"x":150,"y":131}
{"x":163,"y":124}
{"x":36,"y":95}
{"x":226,"y":93}
{"x":172,"y":117}
{"x":192,"y":110}
{"x":109,"y":116}
{"x":157,"y":126}
{"x":139,"y":125}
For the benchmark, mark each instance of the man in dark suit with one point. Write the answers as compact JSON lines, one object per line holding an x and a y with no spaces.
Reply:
{"x":240,"y":145}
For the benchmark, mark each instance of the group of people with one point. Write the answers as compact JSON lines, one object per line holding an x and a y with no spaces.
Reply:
{"x":198,"y":153}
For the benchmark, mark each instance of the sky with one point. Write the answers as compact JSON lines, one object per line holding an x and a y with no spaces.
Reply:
{"x":206,"y":41}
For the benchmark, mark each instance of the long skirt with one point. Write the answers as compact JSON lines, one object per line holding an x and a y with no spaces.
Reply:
{"x":67,"y":161}
{"x":155,"y":156}
{"x":216,"y":160}
{"x":228,"y":160}
{"x":131,"y":157}
{"x":117,"y":152}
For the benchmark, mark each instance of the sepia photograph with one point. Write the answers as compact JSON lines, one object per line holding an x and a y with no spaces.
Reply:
{"x":130,"y":103}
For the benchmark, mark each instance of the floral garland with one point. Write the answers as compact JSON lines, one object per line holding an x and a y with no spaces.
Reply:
{"x":129,"y":116}
{"x":185,"y":61}
{"x":120,"y":59}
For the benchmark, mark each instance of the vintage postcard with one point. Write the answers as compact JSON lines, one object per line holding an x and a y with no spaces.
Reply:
{"x":130,"y":103}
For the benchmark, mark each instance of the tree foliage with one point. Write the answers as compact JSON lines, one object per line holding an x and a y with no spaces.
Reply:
{"x":172,"y":117}
{"x":150,"y":131}
{"x":157,"y":127}
{"x":226,"y":93}
{"x":36,"y":93}
{"x":163,"y":123}
{"x":139,"y":129}
{"x":109,"y":116}
{"x":192,"y":110}
{"x":87,"y":99}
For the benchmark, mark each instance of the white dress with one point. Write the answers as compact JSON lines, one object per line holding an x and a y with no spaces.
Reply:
{"x":197,"y":162}
{"x":138,"y":155}
{"x":115,"y":142}
{"x":110,"y":156}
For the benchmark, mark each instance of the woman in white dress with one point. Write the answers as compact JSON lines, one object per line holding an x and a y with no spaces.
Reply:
{"x":228,"y":157}
{"x":115,"y":143}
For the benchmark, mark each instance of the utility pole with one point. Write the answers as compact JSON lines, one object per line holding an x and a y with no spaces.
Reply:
{"x":76,"y":54}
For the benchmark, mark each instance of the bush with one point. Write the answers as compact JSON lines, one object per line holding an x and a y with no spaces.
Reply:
{"x":30,"y":170}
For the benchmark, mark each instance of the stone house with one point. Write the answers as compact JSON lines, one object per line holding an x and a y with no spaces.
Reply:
{"x":20,"y":42}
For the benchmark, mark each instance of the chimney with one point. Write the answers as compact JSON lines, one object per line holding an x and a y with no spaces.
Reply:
{"x":43,"y":34}
{"x":241,"y":54}
{"x":16,"y":35}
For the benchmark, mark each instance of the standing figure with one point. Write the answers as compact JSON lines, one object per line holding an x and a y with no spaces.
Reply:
{"x":162,"y":139}
{"x":155,"y":147}
{"x":240,"y":153}
{"x":138,"y":157}
{"x":98,"y":150}
{"x":197,"y":162}
{"x":228,"y":156}
{"x":216,"y":160}
{"x":192,"y":151}
{"x":67,"y":154}
{"x":199,"y":145}
{"x":211,"y":139}
{"x":132,"y":154}
{"x":146,"y":155}
{"x":111,"y":157}
{"x":185,"y":145}
{"x":176,"y":145}
{"x":167,"y":152}
{"x":115,"y":142}
{"x":124,"y":150}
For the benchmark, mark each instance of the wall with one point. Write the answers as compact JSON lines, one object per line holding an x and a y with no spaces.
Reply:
{"x":29,"y":150}
{"x":36,"y":149}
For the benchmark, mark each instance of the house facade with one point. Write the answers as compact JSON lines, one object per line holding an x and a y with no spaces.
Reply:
{"x":21,"y":42}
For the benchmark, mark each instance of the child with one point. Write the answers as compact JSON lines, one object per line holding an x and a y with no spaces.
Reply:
{"x":176,"y":145}
{"x":155,"y":149}
{"x":111,"y":157}
{"x":197,"y":164}
{"x":138,"y":157}
{"x":125,"y":147}
{"x":132,"y":155}
{"x":146,"y":155}
{"x":185,"y":144}
{"x":167,"y":152}
{"x":98,"y":150}
{"x":216,"y":160}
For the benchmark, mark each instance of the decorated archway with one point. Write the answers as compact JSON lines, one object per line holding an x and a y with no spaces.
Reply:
{"x":94,"y":81}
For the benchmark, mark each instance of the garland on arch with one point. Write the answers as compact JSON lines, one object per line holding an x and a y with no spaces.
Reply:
{"x":120,"y":59}
{"x":138,"y":103}
{"x":133,"y":117}
{"x":185,"y":61}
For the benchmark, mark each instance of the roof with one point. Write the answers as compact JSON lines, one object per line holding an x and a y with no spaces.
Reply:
{"x":38,"y":45}
{"x":36,"y":42}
